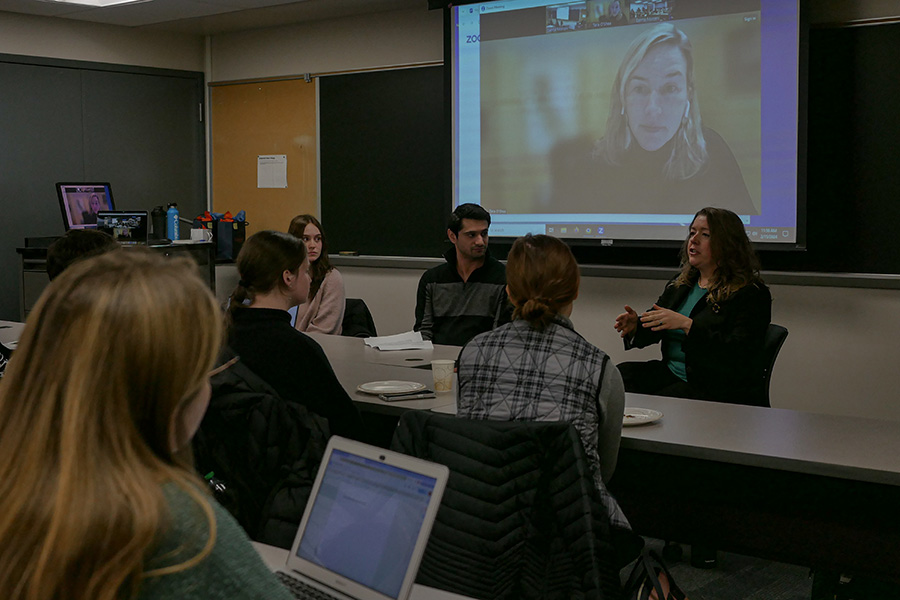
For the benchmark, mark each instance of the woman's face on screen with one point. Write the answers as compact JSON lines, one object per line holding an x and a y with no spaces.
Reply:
{"x":656,"y":96}
{"x":95,"y":204}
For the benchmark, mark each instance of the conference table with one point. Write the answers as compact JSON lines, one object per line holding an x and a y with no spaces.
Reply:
{"x":355,"y":363}
{"x":804,"y":488}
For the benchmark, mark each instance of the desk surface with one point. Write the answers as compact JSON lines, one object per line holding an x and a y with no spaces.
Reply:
{"x":788,"y":440}
{"x":354,"y":363}
{"x":834,"y":446}
{"x":276,"y":559}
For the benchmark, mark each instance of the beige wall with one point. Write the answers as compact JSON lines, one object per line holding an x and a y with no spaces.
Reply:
{"x":378,"y":40}
{"x":51,"y":37}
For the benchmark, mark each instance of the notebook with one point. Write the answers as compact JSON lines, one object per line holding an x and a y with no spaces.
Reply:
{"x":367,"y":522}
{"x":125,"y":226}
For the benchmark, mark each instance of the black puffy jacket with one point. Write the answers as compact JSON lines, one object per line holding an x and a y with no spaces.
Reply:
{"x":520,"y":518}
{"x":265,"y":450}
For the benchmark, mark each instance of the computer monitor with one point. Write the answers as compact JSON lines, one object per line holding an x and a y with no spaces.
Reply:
{"x":81,"y":202}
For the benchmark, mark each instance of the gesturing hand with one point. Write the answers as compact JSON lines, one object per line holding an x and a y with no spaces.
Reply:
{"x":626,"y":323}
{"x":662,"y":319}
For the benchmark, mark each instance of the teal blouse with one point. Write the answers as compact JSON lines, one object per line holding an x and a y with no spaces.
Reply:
{"x":672,"y":339}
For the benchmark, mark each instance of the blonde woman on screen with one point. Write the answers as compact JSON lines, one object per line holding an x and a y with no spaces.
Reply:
{"x":656,"y":156}
{"x":655,"y":150}
{"x":98,"y":499}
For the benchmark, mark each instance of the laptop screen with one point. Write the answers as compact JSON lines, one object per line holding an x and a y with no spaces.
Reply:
{"x":126,"y":227}
{"x":365,"y":521}
{"x":81,"y":202}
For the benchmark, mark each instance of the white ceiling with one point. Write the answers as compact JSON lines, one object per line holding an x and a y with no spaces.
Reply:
{"x":207,"y":17}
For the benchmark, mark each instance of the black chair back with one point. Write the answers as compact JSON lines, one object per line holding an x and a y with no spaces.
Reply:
{"x":358,"y":321}
{"x":775,"y":337}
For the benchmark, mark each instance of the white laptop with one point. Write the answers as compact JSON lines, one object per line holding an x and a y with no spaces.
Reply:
{"x":366,"y":524}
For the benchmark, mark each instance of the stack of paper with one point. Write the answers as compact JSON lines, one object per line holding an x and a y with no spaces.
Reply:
{"x":411,"y":340}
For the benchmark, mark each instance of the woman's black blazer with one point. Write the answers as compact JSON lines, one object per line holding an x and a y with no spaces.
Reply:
{"x":724,"y":349}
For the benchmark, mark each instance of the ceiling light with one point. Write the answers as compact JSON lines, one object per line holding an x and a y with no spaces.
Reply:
{"x":96,"y":3}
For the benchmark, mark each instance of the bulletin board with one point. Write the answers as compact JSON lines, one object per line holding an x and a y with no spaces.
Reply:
{"x":249,"y":120}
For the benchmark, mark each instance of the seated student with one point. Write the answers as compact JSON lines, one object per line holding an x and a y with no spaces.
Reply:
{"x":98,"y":499}
{"x":467,"y":295}
{"x":323,"y":311}
{"x":77,"y":244}
{"x":537,"y":368}
{"x":711,"y":319}
{"x":274,"y":276}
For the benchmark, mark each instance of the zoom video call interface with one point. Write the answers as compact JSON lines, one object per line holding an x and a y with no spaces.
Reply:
{"x":618,"y":120}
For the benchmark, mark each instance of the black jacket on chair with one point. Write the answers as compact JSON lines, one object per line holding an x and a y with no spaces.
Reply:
{"x":520,"y":518}
{"x":265,"y":450}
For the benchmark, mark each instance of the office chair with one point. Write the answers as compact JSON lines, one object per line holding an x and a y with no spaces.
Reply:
{"x":520,"y":517}
{"x":358,"y":321}
{"x":775,"y":337}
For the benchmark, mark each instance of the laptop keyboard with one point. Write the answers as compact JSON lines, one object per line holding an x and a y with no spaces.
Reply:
{"x":301,"y":590}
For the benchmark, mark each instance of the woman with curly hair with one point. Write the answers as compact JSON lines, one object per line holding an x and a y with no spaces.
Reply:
{"x":711,"y":320}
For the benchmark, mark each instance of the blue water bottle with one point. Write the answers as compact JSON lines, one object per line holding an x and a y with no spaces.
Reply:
{"x":172,"y":222}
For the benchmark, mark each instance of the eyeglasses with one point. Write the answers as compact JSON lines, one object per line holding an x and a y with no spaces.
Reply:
{"x":223,"y":367}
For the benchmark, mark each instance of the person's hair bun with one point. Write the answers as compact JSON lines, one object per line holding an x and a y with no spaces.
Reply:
{"x":536,"y":310}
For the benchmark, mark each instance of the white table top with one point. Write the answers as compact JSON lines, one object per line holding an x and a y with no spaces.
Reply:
{"x":276,"y":559}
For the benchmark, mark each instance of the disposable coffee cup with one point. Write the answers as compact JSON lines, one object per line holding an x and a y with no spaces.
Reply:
{"x":200,"y":235}
{"x":443,"y":374}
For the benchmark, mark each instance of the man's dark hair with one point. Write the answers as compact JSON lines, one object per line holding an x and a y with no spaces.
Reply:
{"x":76,"y":245}
{"x":467,"y":211}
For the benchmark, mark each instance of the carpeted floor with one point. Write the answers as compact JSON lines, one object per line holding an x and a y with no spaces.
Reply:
{"x":740,"y":577}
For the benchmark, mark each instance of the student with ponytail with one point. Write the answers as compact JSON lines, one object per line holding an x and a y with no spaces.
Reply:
{"x":537,"y":368}
{"x":274,"y":276}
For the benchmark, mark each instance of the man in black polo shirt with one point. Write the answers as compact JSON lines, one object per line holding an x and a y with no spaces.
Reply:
{"x":467,"y":295}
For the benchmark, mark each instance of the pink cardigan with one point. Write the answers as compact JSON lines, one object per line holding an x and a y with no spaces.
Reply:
{"x":325,"y":312}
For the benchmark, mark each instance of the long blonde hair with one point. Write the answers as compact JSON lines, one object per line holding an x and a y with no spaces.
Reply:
{"x":112,"y":352}
{"x":689,"y":150}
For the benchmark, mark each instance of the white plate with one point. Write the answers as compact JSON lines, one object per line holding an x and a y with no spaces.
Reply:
{"x":390,"y":387}
{"x":639,"y":416}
